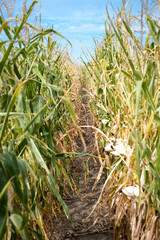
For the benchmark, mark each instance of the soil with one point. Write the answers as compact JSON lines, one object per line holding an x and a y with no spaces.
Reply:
{"x":82,"y":201}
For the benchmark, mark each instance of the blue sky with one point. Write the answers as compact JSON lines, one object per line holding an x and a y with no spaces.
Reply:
{"x":78,"y":20}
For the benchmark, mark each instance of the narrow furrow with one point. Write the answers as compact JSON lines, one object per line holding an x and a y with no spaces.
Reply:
{"x":82,"y":201}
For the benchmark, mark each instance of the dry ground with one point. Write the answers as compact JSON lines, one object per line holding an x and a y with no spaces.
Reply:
{"x":81,"y":202}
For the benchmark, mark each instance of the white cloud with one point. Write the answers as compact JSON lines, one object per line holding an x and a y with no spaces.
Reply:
{"x":78,"y":25}
{"x":86,"y":28}
{"x":88,"y":15}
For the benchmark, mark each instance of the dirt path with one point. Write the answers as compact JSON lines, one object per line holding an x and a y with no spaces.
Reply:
{"x":81,"y":202}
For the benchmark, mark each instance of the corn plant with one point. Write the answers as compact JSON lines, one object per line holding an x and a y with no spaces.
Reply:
{"x":126,"y":101}
{"x":35,"y":113}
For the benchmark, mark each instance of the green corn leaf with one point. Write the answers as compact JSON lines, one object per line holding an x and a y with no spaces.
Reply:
{"x":149,"y":97}
{"x":138,"y":95}
{"x":14,"y":114}
{"x":5,"y":188}
{"x":2,"y":43}
{"x":17,"y":221}
{"x":54,"y":87}
{"x":49,"y":31}
{"x":151,"y":85}
{"x":135,"y":72}
{"x":147,"y":39}
{"x":3,"y":203}
{"x":37,"y":115}
{"x":53,"y":112}
{"x":21,"y":146}
{"x":70,"y":109}
{"x":24,"y":174}
{"x":152,"y":28}
{"x":65,"y":174}
{"x":151,"y":25}
{"x":38,"y":155}
{"x":21,"y":106}
{"x":127,"y":74}
{"x":11,"y":104}
{"x":155,"y":173}
{"x":37,"y":72}
{"x":3,"y":220}
{"x":11,"y":168}
{"x":6,"y":28}
{"x":27,"y":167}
{"x":157,"y":118}
{"x":131,"y":34}
{"x":49,"y":177}
{"x":3,"y":25}
{"x":37,"y":105}
{"x":16,"y":71}
{"x":158,"y":159}
{"x":17,"y":54}
{"x":24,"y":20}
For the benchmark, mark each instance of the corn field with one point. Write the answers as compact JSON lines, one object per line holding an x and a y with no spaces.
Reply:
{"x":125,"y":79}
{"x":39,"y":122}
